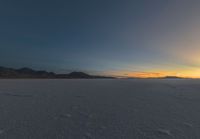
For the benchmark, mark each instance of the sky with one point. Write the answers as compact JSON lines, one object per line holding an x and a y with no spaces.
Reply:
{"x":133,"y":38}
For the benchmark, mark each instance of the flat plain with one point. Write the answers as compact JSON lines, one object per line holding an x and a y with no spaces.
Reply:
{"x":100,"y":109}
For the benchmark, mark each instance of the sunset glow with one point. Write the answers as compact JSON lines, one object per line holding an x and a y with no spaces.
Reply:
{"x":192,"y":73}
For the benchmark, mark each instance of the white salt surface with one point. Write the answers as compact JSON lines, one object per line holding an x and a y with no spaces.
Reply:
{"x":100,"y":109}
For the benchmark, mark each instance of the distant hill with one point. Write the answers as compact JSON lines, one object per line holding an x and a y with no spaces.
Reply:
{"x":30,"y":73}
{"x":172,"y":77}
{"x":78,"y":75}
{"x":165,"y":77}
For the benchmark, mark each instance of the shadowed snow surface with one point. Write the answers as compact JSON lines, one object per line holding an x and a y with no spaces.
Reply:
{"x":100,"y":109}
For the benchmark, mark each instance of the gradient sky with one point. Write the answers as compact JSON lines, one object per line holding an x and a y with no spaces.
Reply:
{"x":144,"y":38}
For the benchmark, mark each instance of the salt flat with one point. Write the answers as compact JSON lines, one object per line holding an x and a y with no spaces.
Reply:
{"x":100,"y":109}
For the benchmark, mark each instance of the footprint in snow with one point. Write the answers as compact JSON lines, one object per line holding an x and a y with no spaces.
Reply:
{"x":16,"y":95}
{"x":1,"y":131}
{"x":65,"y":116}
{"x":164,"y":132}
{"x":188,"y":124}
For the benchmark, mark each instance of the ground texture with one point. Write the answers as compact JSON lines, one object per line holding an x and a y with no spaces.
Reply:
{"x":100,"y":109}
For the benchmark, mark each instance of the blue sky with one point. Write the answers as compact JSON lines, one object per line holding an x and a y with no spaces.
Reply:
{"x":118,"y":37}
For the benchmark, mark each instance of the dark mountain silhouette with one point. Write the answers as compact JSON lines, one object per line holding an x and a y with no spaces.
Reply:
{"x":30,"y":73}
{"x":78,"y":75}
{"x":172,"y":77}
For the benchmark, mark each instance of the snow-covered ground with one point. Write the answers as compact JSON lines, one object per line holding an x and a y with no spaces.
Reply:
{"x":100,"y":109}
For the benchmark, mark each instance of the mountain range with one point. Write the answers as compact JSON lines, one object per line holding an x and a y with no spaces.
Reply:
{"x":30,"y":73}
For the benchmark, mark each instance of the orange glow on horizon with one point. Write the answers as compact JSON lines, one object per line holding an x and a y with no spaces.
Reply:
{"x":157,"y":74}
